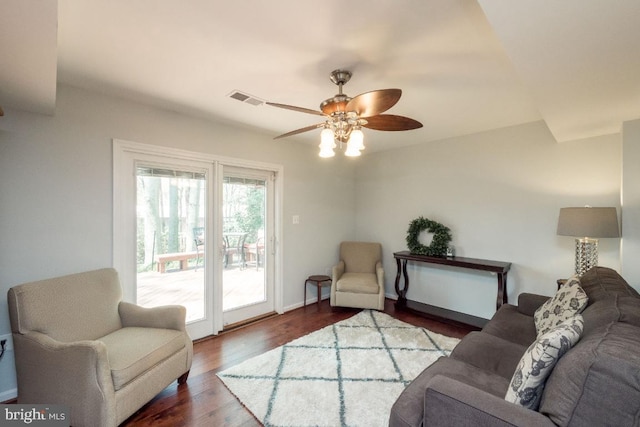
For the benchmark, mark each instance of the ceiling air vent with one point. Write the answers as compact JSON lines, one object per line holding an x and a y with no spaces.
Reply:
{"x":244,"y":97}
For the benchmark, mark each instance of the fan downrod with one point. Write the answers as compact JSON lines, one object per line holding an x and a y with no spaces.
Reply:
{"x":337,"y":104}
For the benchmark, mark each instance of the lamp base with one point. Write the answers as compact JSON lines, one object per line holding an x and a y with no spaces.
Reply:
{"x":586,"y":255}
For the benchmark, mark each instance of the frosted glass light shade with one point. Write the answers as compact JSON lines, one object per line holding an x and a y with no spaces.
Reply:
{"x":352,"y":150}
{"x":357,"y":139}
{"x":326,"y":152}
{"x":327,"y":139}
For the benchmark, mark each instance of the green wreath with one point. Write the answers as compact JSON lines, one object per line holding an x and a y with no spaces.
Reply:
{"x":439,"y":244}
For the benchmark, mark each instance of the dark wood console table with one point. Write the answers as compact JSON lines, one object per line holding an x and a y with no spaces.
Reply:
{"x":500,"y":268}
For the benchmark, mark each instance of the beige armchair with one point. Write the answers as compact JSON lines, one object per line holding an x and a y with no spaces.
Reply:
{"x":77,"y":344}
{"x":358,"y":279}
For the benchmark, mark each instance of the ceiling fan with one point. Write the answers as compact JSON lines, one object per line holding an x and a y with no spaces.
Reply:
{"x":345,"y":116}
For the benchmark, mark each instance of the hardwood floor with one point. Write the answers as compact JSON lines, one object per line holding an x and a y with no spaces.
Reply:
{"x":205,"y":401}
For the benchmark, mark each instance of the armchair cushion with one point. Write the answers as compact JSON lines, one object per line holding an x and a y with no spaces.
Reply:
{"x":360,"y":257}
{"x":362,"y":283}
{"x":132,"y":351}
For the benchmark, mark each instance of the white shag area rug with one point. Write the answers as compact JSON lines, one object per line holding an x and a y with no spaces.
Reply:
{"x":346,"y":374}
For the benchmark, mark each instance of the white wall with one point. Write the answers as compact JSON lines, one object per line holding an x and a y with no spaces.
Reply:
{"x":500,"y":193}
{"x":56,"y":189}
{"x":631,"y":202}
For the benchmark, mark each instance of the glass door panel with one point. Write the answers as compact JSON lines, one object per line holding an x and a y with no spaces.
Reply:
{"x":171,"y":245}
{"x":246,"y":280}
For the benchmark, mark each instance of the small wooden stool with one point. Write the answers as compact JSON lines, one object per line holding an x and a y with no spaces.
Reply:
{"x":317,"y":280}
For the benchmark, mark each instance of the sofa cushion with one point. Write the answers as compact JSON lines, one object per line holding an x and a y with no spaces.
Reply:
{"x":134,"y":350}
{"x":598,"y":381}
{"x":490,"y":353}
{"x":602,"y":282}
{"x":629,"y":310}
{"x":361,"y":283}
{"x":614,"y":308}
{"x":539,"y":360}
{"x":510,"y":324}
{"x":567,"y":302}
{"x":529,"y":303}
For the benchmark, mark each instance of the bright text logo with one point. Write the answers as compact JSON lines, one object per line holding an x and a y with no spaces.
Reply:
{"x":36,"y":415}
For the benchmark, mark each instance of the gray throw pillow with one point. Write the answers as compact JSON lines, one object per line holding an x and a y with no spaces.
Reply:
{"x":535,"y":366}
{"x":566,"y":303}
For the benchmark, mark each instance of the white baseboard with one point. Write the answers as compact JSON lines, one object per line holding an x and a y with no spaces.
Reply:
{"x":314,"y":299}
{"x":392,"y":296}
{"x":8,"y":395}
{"x":310,"y":301}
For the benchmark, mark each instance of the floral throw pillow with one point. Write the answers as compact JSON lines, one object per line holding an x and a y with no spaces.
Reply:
{"x":527,"y":383}
{"x":567,"y":302}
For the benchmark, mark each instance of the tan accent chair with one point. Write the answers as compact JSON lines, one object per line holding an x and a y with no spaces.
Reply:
{"x":358,"y":279}
{"x":77,"y":344}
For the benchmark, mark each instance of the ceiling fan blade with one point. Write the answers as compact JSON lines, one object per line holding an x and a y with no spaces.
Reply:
{"x":301,"y":130}
{"x":294,"y":108}
{"x":391,"y":122}
{"x":1,"y":112}
{"x":375,"y":102}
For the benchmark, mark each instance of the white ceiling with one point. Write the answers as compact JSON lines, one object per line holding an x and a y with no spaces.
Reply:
{"x":464,"y":66}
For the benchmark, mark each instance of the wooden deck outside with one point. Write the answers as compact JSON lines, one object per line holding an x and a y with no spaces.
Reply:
{"x":186,"y":287}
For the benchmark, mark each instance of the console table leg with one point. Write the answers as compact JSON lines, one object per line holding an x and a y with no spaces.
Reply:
{"x":502,"y":290}
{"x":401,"y":268}
{"x":406,"y":278}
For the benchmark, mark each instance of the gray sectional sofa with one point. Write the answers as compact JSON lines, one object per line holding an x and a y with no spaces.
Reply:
{"x":596,"y":382}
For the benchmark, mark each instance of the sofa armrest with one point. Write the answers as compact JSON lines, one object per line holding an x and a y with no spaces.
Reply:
{"x":163,"y":317}
{"x":50,"y":371}
{"x":450,"y":402}
{"x":337,"y":271}
{"x":529,"y":303}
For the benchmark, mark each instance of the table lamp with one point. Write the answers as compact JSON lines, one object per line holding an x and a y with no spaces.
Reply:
{"x":587,"y":224}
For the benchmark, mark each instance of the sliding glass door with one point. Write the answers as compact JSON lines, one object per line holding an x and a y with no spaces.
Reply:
{"x":198,"y":232}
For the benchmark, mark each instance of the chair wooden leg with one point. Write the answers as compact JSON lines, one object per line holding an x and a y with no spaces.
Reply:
{"x":182,"y":379}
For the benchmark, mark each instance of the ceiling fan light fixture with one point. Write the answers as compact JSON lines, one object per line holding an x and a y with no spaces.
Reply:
{"x":345,"y":117}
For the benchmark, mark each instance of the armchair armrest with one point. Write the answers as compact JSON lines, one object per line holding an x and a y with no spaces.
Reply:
{"x":450,"y":402}
{"x":164,"y":317}
{"x":337,"y":271}
{"x":529,"y":303}
{"x":80,"y":368}
{"x":380,"y":273}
